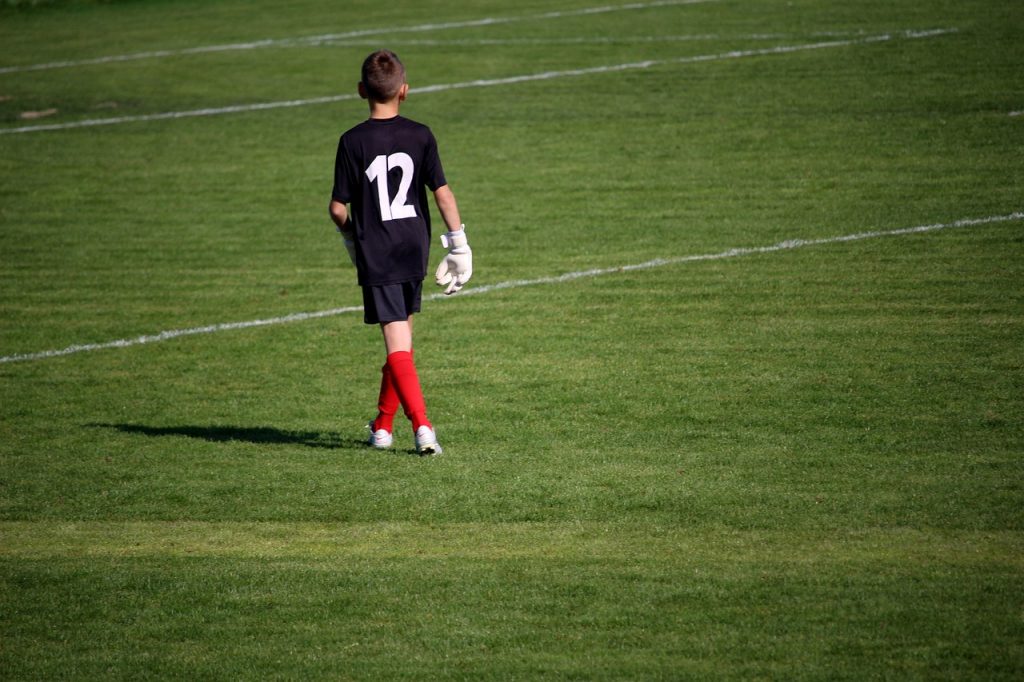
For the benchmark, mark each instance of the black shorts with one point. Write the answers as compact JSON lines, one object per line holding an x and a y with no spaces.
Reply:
{"x":391,"y":302}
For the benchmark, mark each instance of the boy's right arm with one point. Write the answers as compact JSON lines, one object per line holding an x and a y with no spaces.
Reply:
{"x":449,"y":209}
{"x":456,"y":267}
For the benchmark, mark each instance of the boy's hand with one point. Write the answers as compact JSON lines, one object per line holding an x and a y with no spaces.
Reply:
{"x":455,"y":268}
{"x":350,"y":244}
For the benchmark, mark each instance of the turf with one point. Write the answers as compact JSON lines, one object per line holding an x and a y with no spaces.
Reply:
{"x":798,"y":463}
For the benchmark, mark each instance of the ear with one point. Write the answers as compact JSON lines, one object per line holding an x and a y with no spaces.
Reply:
{"x":403,"y":92}
{"x":362,"y":90}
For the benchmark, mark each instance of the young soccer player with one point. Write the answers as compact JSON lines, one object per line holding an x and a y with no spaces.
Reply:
{"x":383,"y":169}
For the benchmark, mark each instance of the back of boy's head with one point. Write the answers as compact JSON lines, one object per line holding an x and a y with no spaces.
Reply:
{"x":383,"y":75}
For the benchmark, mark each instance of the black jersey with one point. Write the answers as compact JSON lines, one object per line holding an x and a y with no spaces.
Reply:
{"x":383,"y":169}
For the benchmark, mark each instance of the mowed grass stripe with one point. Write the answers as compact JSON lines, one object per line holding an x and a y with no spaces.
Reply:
{"x":673,"y":545}
{"x":261,"y":43}
{"x":908,"y":34}
{"x":786,"y":245}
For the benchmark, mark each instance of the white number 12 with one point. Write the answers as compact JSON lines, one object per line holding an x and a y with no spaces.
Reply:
{"x":378,"y":171}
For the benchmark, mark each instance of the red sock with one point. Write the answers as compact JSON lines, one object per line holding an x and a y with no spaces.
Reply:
{"x":407,"y":385}
{"x":387,"y":401}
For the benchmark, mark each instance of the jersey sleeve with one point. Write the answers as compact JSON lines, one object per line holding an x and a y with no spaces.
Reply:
{"x":433,"y":173}
{"x":343,"y":185}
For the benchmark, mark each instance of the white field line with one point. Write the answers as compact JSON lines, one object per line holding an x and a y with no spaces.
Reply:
{"x":587,"y":40}
{"x":168,"y":115}
{"x":443,"y":87}
{"x":519,"y":283}
{"x":315,"y":40}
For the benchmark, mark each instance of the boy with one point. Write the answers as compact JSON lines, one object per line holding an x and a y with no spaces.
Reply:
{"x":383,"y":168}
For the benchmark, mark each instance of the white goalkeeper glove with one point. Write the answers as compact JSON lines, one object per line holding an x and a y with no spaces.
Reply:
{"x":455,"y":268}
{"x":350,"y":244}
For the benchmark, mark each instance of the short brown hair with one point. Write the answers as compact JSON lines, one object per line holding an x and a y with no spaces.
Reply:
{"x":383,"y":75}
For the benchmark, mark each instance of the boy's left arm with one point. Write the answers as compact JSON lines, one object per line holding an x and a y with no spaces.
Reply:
{"x":339,"y":214}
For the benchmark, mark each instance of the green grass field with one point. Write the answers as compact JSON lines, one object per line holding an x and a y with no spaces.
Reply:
{"x":735,"y":462}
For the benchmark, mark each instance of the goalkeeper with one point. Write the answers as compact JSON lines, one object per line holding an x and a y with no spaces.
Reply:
{"x":382,"y":172}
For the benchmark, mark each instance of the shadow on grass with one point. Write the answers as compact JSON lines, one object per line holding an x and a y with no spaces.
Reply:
{"x":261,"y":435}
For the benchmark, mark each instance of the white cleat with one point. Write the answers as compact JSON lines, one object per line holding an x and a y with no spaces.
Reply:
{"x":379,"y":439}
{"x":426,"y":441}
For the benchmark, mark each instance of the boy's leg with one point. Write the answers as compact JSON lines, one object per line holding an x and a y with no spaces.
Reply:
{"x":398,"y":342}
{"x":397,"y":335}
{"x":388,"y":400}
{"x":390,"y":303}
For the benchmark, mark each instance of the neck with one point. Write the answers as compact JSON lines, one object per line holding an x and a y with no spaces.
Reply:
{"x":384,"y":109}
